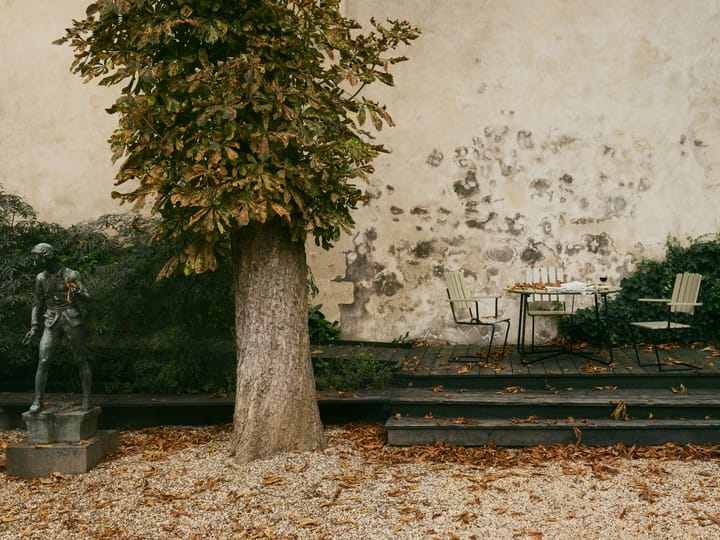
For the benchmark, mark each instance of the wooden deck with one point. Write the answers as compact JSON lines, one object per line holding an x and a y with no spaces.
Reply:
{"x":430,"y":365}
{"x":565,"y":399}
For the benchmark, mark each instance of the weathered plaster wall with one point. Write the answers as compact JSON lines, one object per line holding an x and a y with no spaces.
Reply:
{"x":573,"y":134}
{"x":576,"y":134}
{"x":53,"y":128}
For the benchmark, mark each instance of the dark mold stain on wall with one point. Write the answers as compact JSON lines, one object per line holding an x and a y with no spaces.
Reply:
{"x":531,"y":255}
{"x":600,"y":244}
{"x":525,"y":140}
{"x":468,"y":186}
{"x":541,"y":188}
{"x":501,"y":254}
{"x":514,"y":227}
{"x":422,"y":250}
{"x":435,"y":158}
{"x":386,"y":284}
{"x":480,"y":223}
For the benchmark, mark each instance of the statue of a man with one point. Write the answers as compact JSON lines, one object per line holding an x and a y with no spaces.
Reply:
{"x":57,"y":291}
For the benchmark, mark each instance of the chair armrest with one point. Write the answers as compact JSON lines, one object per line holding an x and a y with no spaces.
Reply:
{"x":671,"y":304}
{"x":662,"y":300}
{"x":476,"y":300}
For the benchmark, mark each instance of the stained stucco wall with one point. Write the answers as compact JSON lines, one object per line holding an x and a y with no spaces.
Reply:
{"x":576,"y":134}
{"x":53,"y":128}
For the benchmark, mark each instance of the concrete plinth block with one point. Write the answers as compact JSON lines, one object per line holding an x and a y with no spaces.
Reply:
{"x":27,"y":460}
{"x":61,"y":423}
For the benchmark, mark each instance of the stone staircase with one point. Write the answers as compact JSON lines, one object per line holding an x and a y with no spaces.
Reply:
{"x":546,"y":408}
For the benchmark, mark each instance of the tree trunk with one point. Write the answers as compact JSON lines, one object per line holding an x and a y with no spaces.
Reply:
{"x":275,"y":405}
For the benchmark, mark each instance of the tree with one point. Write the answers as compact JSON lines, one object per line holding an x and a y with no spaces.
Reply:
{"x":242,"y":125}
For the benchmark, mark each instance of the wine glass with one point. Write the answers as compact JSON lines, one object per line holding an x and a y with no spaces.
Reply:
{"x":603,"y":279}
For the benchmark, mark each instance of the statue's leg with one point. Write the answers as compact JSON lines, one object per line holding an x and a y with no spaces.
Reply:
{"x":77,"y":344}
{"x":48,"y":344}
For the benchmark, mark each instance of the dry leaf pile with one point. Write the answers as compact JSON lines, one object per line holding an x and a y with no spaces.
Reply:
{"x":169,"y":483}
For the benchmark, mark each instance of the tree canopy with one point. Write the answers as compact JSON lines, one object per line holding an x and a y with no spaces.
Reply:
{"x":239,"y":111}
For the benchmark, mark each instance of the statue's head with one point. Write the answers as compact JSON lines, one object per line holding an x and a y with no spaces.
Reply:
{"x":44,"y":252}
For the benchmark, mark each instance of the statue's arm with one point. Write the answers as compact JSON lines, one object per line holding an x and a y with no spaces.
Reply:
{"x":38,"y":302}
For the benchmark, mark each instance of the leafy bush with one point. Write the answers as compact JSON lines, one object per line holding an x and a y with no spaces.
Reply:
{"x":175,"y":335}
{"x":361,"y":371}
{"x":321,"y":330}
{"x":655,"y":279}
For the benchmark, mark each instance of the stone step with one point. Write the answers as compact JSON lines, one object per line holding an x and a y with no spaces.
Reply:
{"x":538,"y":381}
{"x":411,"y":431}
{"x":515,"y":402}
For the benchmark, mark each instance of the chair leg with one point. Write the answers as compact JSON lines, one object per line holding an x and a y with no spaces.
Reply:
{"x":507,"y":332}
{"x":532,"y":334}
{"x":492,"y":336}
{"x":489,"y":350}
{"x":658,"y":362}
{"x":657,"y":355}
{"x":637,"y":352}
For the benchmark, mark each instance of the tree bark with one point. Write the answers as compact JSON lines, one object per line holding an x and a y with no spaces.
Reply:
{"x":276,"y":404}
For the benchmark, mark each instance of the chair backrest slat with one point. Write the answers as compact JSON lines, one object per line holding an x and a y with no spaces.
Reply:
{"x":456,"y":288}
{"x":541,"y":274}
{"x":686,"y":290}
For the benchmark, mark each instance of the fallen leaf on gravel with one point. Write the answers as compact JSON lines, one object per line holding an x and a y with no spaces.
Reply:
{"x":270,"y":480}
{"x":466,"y":517}
{"x":692,"y":497}
{"x":648,"y":494}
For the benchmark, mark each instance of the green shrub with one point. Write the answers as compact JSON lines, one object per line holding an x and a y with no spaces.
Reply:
{"x":361,"y":371}
{"x":321,"y":330}
{"x":655,"y":279}
{"x":171,"y":336}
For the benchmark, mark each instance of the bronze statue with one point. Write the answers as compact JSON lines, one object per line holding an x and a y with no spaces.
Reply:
{"x":57,"y":291}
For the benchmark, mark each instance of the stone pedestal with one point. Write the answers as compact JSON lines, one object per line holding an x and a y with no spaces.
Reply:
{"x":62,"y":438}
{"x":61,"y":423}
{"x":26,"y":460}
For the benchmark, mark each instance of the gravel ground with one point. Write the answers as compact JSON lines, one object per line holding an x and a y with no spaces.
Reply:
{"x":170,"y":483}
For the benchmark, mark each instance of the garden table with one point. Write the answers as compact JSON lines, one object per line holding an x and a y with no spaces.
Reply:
{"x":600,"y":293}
